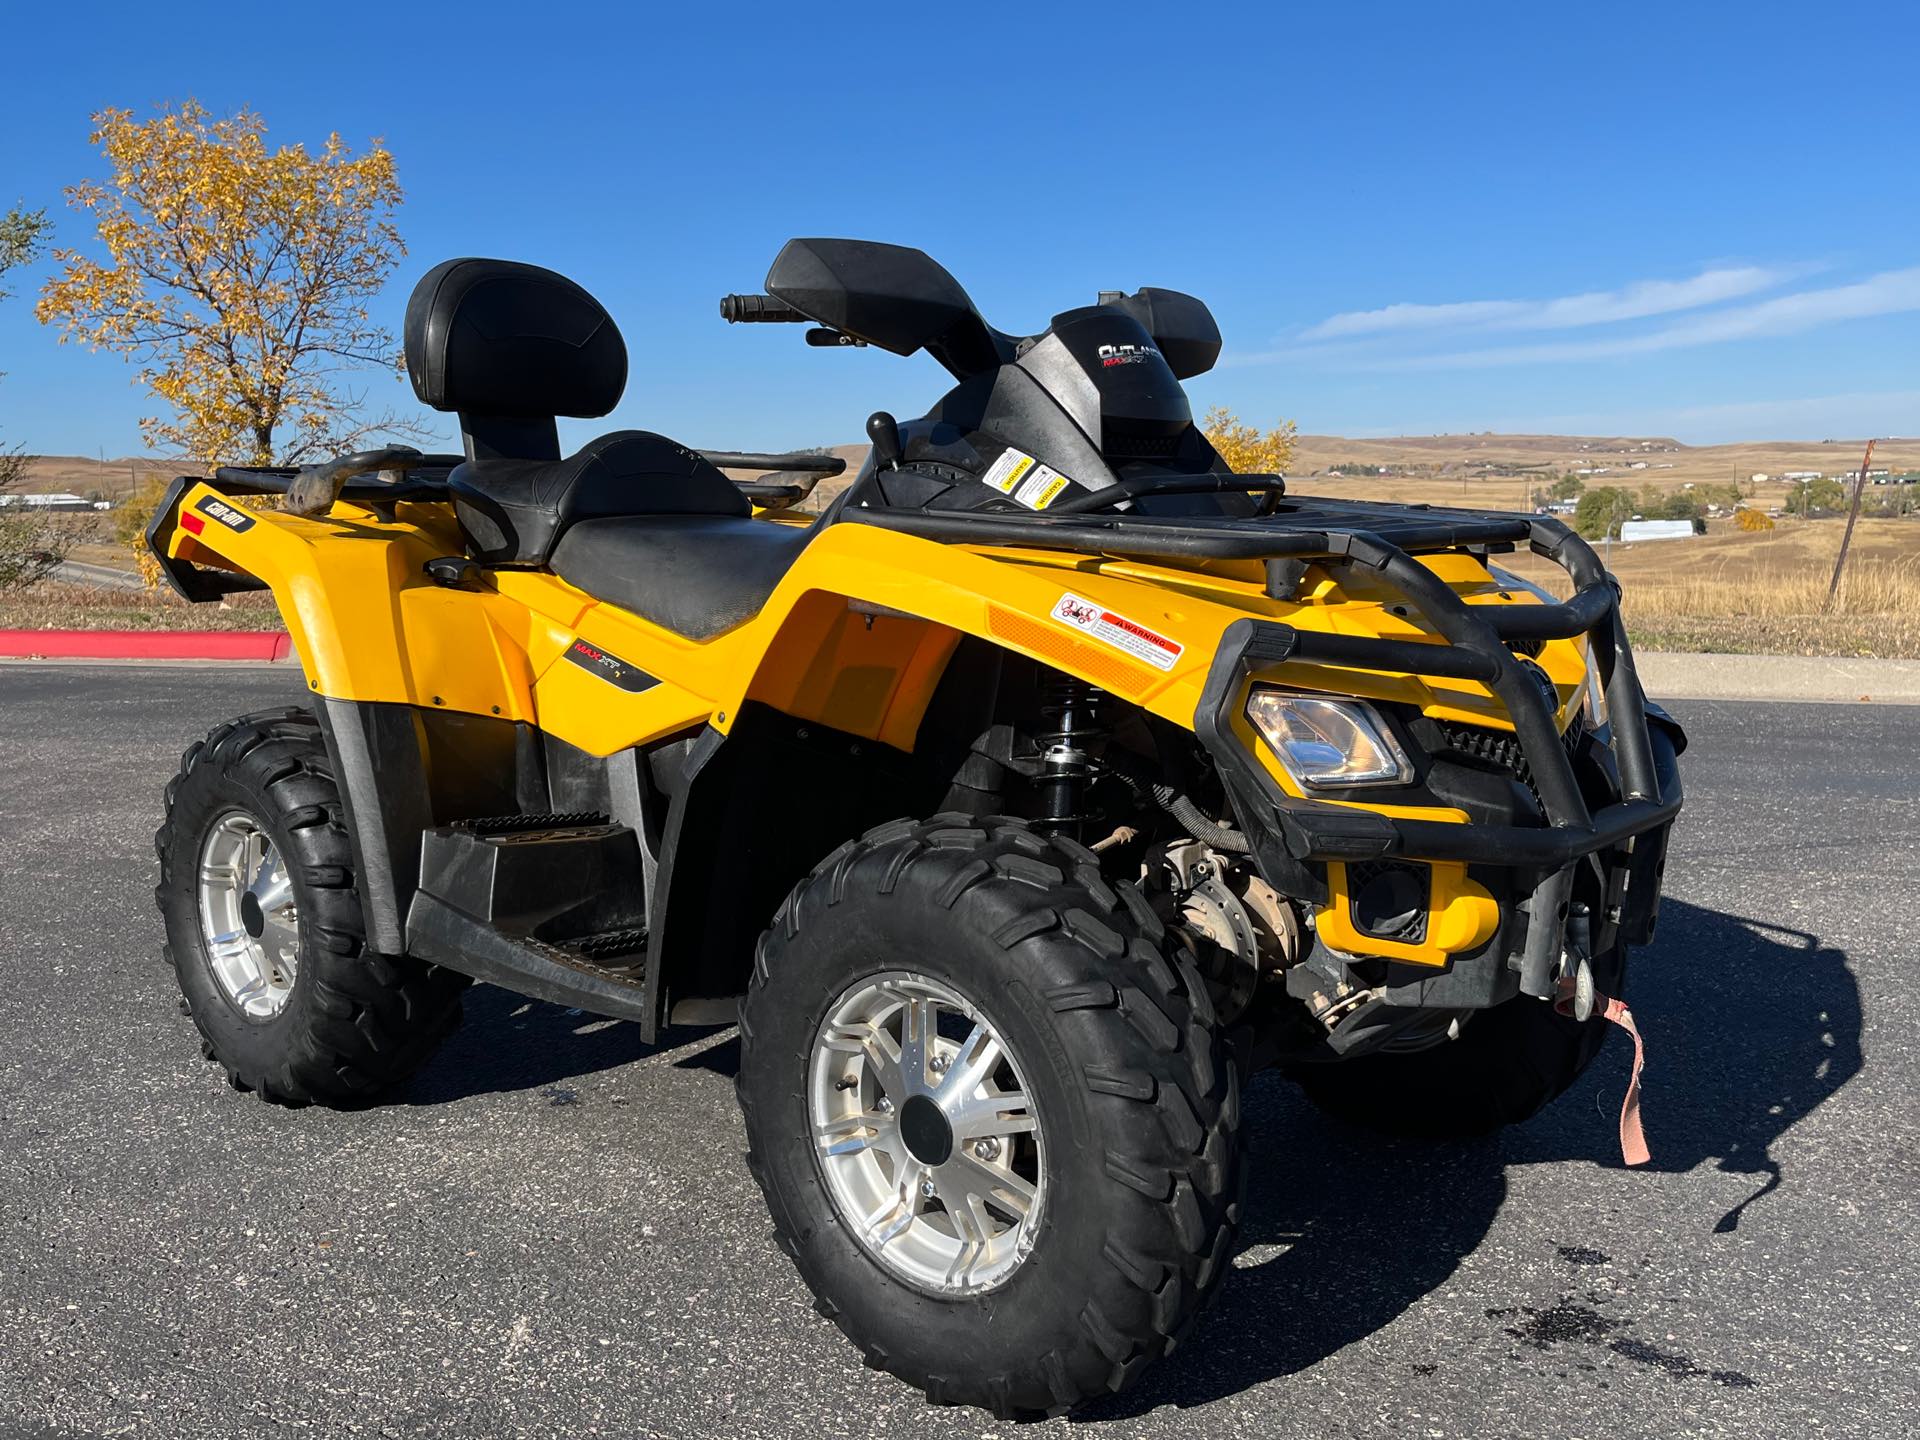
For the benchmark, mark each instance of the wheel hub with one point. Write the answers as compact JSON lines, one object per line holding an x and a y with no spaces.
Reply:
{"x":248,"y":920}
{"x":926,"y":1140}
{"x":924,"y":1128}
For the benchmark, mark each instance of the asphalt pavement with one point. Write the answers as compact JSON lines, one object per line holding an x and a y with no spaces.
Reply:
{"x":552,"y":1232}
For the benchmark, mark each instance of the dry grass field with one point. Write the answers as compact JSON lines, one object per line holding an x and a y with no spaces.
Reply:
{"x":1734,"y":592}
{"x":1499,"y":471}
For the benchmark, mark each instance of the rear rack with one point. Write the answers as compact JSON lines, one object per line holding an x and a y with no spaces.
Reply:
{"x":1475,"y":644}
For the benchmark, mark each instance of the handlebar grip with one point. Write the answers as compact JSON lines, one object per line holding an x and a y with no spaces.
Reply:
{"x":759,"y":310}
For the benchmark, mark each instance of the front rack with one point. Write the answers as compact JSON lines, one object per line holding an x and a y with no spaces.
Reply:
{"x":1475,"y":644}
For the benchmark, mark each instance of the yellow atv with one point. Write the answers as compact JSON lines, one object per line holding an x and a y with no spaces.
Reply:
{"x":1016,"y":804}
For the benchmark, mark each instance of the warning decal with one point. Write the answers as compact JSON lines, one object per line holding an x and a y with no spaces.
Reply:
{"x":1008,"y":470}
{"x":1043,"y":487}
{"x":1118,"y":631}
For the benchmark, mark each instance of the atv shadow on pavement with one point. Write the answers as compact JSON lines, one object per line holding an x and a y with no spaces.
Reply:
{"x":1749,"y":1028}
{"x":508,"y":1042}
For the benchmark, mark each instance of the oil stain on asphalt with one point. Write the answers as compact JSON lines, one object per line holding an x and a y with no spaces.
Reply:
{"x":1568,"y":1321}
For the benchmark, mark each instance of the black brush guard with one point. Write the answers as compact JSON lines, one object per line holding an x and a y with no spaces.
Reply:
{"x":1284,"y":831}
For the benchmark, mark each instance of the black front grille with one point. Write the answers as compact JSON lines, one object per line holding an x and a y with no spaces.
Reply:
{"x":1500,"y":748}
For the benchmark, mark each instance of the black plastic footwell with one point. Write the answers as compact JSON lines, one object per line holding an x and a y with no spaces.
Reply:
{"x":551,"y":906}
{"x":584,"y":973}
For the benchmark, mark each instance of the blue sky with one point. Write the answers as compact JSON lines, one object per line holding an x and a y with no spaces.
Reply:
{"x":1701,"y":221}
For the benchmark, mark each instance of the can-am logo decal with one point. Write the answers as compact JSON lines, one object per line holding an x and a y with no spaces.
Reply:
{"x":1111,"y":355}
{"x":1118,"y":631}
{"x":234,"y":518}
{"x":610,"y":668}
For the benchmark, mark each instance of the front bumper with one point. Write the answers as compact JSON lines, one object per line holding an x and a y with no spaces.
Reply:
{"x":1292,"y":839}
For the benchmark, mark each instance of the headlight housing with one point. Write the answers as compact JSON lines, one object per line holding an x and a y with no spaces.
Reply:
{"x":1328,"y":744}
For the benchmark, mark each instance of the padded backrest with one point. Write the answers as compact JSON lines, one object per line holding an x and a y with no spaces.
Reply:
{"x":498,"y":338}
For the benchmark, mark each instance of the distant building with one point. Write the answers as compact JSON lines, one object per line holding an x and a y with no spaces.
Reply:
{"x":1656,"y":530}
{"x":56,"y":502}
{"x":1759,"y":477}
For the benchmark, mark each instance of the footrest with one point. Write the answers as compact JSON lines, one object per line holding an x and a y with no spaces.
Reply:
{"x":518,"y":824}
{"x":542,"y":969}
{"x":553,"y":906}
{"x":610,"y":945}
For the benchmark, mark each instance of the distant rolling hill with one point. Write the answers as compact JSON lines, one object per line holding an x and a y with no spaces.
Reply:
{"x":1490,"y":470}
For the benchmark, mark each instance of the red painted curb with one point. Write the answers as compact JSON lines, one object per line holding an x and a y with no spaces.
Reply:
{"x":146,"y":644}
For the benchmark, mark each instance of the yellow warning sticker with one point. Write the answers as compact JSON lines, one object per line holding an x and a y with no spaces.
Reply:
{"x":1043,"y":487}
{"x":1008,"y":470}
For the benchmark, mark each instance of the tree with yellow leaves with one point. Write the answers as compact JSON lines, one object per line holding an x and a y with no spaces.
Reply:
{"x":1244,"y":448}
{"x":239,"y":278}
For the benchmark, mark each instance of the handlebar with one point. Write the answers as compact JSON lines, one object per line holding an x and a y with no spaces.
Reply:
{"x":760,"y":310}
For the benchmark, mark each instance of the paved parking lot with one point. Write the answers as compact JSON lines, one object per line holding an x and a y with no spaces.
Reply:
{"x":552,"y":1232}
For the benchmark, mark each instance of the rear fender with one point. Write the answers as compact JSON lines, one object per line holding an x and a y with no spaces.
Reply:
{"x":366,"y":622}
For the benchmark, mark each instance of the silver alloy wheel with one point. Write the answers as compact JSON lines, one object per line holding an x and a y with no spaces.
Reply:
{"x":247,"y":916}
{"x":925,"y":1135}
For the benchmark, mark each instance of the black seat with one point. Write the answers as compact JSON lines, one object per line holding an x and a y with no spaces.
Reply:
{"x":513,"y":512}
{"x":633,"y":519}
{"x":696,"y":575}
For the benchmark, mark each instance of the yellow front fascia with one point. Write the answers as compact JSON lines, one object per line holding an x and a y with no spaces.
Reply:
{"x":1461,"y":917}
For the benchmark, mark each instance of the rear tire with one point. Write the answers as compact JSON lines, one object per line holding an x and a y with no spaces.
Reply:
{"x":1113,"y":1046}
{"x":1509,"y":1063}
{"x":338,"y":1024}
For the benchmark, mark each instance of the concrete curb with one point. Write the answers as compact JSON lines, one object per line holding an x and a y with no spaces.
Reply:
{"x":257,"y":645}
{"x":1832,"y":679}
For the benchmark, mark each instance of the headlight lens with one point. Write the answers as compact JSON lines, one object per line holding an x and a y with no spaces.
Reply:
{"x":1511,"y":581}
{"x":1593,"y":702}
{"x":1327,"y":744}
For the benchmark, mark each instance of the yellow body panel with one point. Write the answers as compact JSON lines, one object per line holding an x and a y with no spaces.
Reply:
{"x":1461,"y":916}
{"x":856,"y":636}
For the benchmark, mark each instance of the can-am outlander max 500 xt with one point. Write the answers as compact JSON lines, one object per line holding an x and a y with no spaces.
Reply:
{"x":1018,"y":804}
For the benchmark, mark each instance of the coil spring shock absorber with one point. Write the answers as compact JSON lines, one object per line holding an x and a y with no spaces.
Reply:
{"x":1070,"y":716}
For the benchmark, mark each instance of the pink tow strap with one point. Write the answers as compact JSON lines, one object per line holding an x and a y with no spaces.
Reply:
{"x":1633,"y":1140}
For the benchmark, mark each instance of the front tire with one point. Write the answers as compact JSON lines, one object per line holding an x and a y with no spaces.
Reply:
{"x":1079,"y":1103}
{"x":264,"y":927}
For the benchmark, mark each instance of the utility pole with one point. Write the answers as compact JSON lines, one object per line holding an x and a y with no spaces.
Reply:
{"x":1846,"y":538}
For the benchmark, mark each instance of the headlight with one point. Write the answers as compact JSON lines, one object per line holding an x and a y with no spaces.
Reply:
{"x":1593,"y":700}
{"x":1510,"y":581}
{"x":1327,"y":744}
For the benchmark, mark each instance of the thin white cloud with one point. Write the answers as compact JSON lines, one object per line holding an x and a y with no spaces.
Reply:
{"x":1596,"y":307}
{"x":1805,"y":417}
{"x":1892,"y":292}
